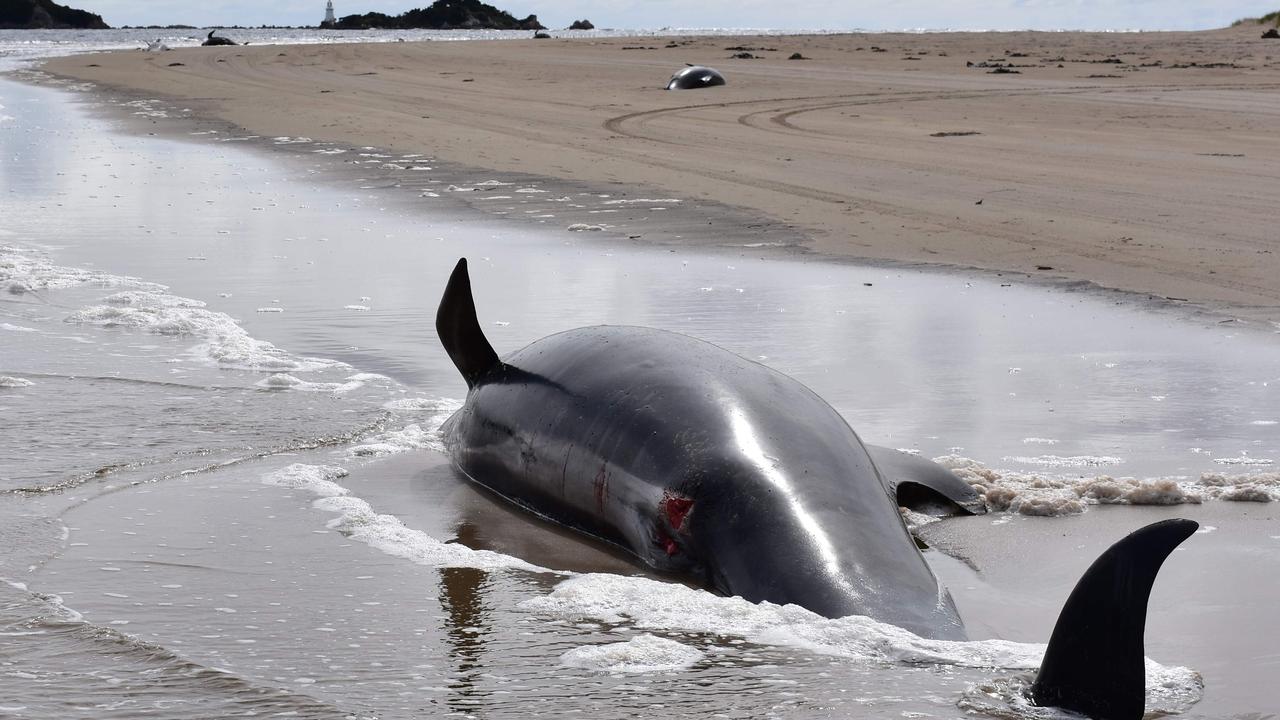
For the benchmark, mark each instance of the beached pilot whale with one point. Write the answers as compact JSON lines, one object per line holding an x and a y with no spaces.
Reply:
{"x":693,"y":77}
{"x":700,"y":462}
{"x":211,"y":40}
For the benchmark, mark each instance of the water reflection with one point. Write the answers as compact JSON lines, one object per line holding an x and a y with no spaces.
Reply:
{"x":467,"y":626}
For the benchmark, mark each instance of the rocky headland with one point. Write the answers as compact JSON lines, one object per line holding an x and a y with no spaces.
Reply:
{"x":46,"y":15}
{"x":443,"y":15}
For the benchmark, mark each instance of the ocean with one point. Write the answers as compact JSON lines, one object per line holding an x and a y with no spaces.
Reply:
{"x":223,"y":492}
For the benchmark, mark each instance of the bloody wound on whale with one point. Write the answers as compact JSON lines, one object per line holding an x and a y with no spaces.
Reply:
{"x":700,"y":462}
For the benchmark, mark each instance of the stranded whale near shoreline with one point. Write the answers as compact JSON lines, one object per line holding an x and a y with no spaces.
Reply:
{"x":699,"y":462}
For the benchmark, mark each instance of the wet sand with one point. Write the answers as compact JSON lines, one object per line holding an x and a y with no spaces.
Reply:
{"x":1139,"y":162}
{"x":329,"y":617}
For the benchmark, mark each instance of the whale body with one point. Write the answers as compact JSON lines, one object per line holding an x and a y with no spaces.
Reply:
{"x":694,"y":77}
{"x":699,"y":462}
{"x":211,"y":40}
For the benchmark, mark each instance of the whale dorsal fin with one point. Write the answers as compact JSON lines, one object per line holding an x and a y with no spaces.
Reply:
{"x":1094,"y":664}
{"x":459,"y":330}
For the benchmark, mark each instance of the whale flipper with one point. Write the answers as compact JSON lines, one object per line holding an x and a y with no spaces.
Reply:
{"x":459,"y":330}
{"x":923,"y":485}
{"x":1095,"y":661}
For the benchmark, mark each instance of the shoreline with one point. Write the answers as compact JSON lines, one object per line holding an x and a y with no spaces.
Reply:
{"x":884,"y":210}
{"x":1016,"y":595}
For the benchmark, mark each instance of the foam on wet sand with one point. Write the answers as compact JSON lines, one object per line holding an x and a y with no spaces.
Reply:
{"x":1039,"y":494}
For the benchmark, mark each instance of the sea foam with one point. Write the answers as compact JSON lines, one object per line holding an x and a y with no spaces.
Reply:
{"x":641,"y":654}
{"x":225,"y":342}
{"x":386,"y":533}
{"x":653,"y":605}
{"x":27,"y":270}
{"x":1040,"y":494}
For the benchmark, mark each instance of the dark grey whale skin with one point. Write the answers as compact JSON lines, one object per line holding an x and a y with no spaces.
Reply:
{"x":699,"y":462}
{"x":695,"y":77}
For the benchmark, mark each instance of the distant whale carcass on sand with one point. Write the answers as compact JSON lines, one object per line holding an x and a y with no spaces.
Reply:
{"x":693,"y":77}
{"x":700,"y":462}
{"x":211,"y":40}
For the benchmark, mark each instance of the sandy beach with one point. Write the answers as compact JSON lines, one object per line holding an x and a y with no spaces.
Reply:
{"x":1141,"y":162}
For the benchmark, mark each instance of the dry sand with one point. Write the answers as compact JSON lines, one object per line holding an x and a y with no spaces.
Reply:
{"x":1142,"y":162}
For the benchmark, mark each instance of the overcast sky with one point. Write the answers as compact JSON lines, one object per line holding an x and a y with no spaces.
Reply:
{"x":793,"y":14}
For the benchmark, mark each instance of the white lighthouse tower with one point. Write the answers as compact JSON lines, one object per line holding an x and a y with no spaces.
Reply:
{"x":329,"y":19}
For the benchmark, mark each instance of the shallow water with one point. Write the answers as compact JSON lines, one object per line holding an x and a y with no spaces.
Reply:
{"x":178,"y":554}
{"x":19,"y":47}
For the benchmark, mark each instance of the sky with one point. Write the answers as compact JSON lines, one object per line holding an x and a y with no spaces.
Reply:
{"x":794,"y":14}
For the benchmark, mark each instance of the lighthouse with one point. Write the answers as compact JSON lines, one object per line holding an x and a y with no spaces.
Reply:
{"x":329,"y":19}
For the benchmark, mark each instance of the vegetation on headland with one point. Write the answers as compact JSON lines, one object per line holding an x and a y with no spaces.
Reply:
{"x":443,"y":15}
{"x":1271,"y":17}
{"x":46,"y":14}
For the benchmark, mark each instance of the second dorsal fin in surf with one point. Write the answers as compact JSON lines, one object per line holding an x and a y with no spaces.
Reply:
{"x":1095,"y":662}
{"x":459,"y":329}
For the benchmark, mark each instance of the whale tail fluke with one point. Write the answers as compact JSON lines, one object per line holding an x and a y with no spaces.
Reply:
{"x":459,"y":329}
{"x":1095,"y":661}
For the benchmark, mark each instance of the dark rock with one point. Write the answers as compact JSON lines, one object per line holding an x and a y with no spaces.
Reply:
{"x":443,"y":15}
{"x":1209,"y":65}
{"x":539,"y":35}
{"x":743,"y":56}
{"x":582,"y":25}
{"x":797,"y":56}
{"x":1272,"y":34}
{"x":45,"y":14}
